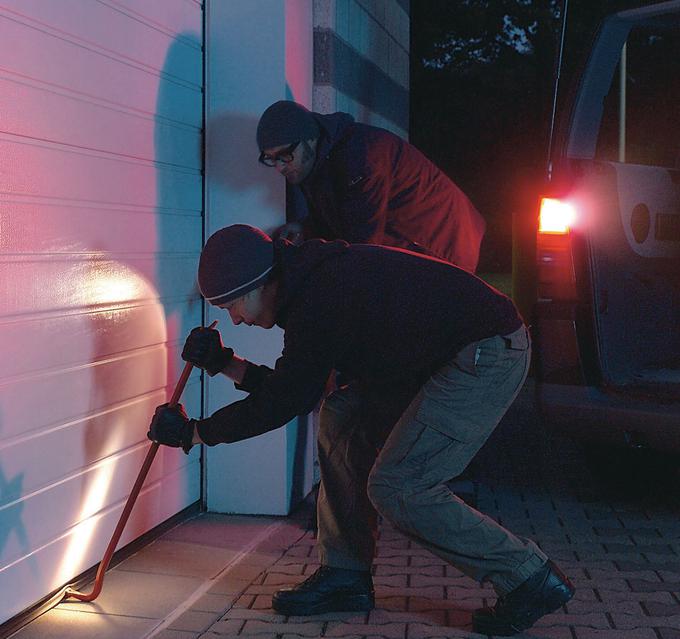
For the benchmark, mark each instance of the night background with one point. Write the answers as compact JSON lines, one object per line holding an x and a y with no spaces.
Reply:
{"x":482,"y":77}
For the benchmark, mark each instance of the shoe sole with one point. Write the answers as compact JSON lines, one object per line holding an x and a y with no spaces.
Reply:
{"x":354,"y":603}
{"x":487,"y":624}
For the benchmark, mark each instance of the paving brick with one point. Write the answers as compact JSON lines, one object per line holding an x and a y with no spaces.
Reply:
{"x":645,"y":534}
{"x":638,"y":519}
{"x":387,"y":570}
{"x":426,"y":560}
{"x":395,"y":560}
{"x":419,"y":579}
{"x":416,"y":550}
{"x":609,"y":584}
{"x":566,"y":554}
{"x":559,"y":618}
{"x":603,"y":575}
{"x":256,"y":626}
{"x":299,"y":551}
{"x":661,"y":555}
{"x":637,"y":633}
{"x":229,"y":627}
{"x":553,"y":632}
{"x":641,"y":585}
{"x":229,"y":585}
{"x":261,"y":602}
{"x":669,"y":576}
{"x":606,"y":565}
{"x":420,"y":631}
{"x":255,"y":615}
{"x":356,"y":618}
{"x":430,"y":617}
{"x":661,"y":548}
{"x":260,"y":589}
{"x":633,"y":621}
{"x":387,"y":630}
{"x":280,"y":579}
{"x":576,"y":607}
{"x":422,"y":604}
{"x":244,"y":601}
{"x":395,"y":544}
{"x":552,"y":539}
{"x":213,"y":603}
{"x":462,"y":593}
{"x":613,"y":596}
{"x":643,"y":564}
{"x":451,"y":572}
{"x":433,"y":592}
{"x":261,"y":559}
{"x":578,"y":545}
{"x":176,"y":634}
{"x":288,"y":636}
{"x":391,"y":603}
{"x":461,"y":618}
{"x":606,"y":523}
{"x":390,"y":534}
{"x":287,"y":560}
{"x":286,"y":569}
{"x":394,"y":581}
{"x":586,"y":556}
{"x":658,"y":609}
{"x":660,"y":544}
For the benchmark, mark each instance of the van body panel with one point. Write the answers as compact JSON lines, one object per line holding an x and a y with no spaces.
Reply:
{"x":608,"y":356}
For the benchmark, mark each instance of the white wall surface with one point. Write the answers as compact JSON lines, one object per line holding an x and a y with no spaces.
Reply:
{"x":258,"y":52}
{"x":100,"y":228}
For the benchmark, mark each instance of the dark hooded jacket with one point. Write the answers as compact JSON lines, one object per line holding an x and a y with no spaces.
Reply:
{"x":370,"y":186}
{"x":383,"y":317}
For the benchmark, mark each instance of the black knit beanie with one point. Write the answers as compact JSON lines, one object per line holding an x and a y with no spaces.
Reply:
{"x":285,"y":122}
{"x":234,"y":261}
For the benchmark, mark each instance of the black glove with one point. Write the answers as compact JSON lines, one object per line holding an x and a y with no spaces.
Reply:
{"x":204,"y":349}
{"x":171,"y":426}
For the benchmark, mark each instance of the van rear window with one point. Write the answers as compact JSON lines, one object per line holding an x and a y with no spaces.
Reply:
{"x":641,"y":118}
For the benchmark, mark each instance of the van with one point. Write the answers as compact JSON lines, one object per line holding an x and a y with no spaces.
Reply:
{"x":606,"y":322}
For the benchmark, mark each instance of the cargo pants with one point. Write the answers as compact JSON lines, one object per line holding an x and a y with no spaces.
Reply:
{"x":401,"y":474}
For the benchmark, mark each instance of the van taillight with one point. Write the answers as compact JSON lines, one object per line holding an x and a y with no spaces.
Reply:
{"x":556,"y":280}
{"x":555,"y":216}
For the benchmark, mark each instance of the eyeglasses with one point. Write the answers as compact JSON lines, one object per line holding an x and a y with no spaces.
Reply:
{"x":284,"y":155}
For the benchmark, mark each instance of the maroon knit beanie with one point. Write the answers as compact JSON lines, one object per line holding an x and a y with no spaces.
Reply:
{"x":234,"y":261}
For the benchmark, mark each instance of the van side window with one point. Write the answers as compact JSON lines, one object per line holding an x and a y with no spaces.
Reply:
{"x":641,"y":117}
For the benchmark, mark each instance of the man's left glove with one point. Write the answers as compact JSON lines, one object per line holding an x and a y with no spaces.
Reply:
{"x":171,"y":426}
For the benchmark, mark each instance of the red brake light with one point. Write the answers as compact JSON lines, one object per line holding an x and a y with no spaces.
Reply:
{"x":555,"y":216}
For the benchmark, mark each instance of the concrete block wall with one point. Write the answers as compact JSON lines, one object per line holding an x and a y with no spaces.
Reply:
{"x":361,"y":60}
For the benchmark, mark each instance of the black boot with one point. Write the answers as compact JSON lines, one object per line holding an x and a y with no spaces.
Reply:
{"x":544,"y":592}
{"x":327,"y":590}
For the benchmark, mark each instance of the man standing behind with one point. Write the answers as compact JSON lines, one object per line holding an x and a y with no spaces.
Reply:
{"x":363,"y":184}
{"x":435,"y":357}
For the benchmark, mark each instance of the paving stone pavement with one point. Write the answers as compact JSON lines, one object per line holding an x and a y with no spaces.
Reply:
{"x":616,"y":534}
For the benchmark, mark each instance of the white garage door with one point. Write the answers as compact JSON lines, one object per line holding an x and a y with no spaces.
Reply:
{"x":100,"y":230}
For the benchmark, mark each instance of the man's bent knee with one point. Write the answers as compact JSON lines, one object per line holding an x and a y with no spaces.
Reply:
{"x":392,"y":498}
